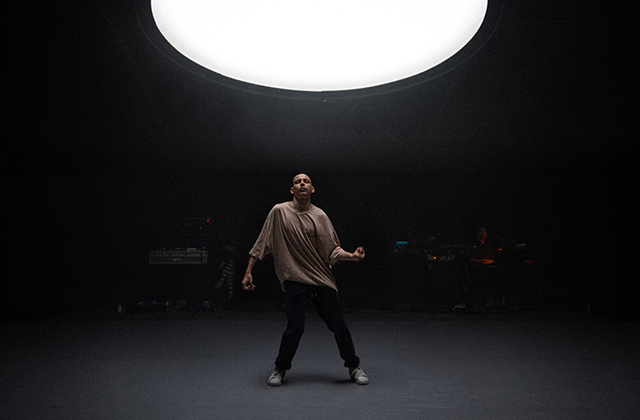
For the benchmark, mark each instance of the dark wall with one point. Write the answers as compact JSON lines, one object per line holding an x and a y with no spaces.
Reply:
{"x":31,"y":281}
{"x":83,"y":242}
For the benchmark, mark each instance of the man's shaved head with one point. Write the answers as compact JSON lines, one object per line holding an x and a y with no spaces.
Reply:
{"x":302,"y":175}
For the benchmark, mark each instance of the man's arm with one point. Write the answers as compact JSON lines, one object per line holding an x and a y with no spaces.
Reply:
{"x":247,"y":280}
{"x":481,"y":261}
{"x":356,"y":255}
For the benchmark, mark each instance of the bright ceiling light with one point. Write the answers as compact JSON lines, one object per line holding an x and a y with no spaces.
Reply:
{"x":328,"y":45}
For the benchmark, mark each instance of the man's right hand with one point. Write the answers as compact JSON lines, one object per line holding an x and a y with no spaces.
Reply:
{"x":247,"y":282}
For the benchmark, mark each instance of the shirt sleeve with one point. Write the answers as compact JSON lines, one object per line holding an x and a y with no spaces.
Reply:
{"x":264,"y":244}
{"x":334,"y":258}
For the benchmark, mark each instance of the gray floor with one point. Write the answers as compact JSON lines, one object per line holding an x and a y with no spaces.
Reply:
{"x":541,"y":365}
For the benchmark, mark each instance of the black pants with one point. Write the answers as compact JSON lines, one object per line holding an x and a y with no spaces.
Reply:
{"x":325,"y":300}
{"x":475,"y":288}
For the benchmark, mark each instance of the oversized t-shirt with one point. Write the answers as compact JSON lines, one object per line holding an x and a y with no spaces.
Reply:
{"x":304,"y":245}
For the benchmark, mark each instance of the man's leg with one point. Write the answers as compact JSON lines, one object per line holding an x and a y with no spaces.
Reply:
{"x":328,"y":308}
{"x":296,"y":299}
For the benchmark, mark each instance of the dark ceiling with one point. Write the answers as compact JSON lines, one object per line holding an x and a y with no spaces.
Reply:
{"x":549,"y":93}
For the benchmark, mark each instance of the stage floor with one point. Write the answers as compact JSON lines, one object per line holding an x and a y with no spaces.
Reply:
{"x":538,"y":365}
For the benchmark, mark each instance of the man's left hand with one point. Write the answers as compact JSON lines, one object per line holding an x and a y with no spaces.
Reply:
{"x":358,"y":254}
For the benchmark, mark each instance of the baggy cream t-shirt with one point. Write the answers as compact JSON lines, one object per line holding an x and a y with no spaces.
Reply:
{"x":304,"y":245}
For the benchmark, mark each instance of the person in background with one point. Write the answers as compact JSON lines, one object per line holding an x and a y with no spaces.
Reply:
{"x":481,"y":256}
{"x":225,"y":286}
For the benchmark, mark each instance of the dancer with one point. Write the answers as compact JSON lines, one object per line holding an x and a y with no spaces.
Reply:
{"x":305,"y":246}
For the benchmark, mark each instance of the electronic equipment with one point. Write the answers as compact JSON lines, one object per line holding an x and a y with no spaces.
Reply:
{"x":179,"y":256}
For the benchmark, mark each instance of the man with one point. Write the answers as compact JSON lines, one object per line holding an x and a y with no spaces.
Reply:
{"x":482,"y":252}
{"x":305,"y":246}
{"x":480,"y":258}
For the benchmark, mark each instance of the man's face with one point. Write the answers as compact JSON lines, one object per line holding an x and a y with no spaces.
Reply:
{"x":302,"y":187}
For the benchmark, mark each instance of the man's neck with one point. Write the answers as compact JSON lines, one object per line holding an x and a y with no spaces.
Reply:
{"x":301,"y":205}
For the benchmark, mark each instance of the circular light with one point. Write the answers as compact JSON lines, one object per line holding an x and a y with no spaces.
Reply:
{"x":329,"y":45}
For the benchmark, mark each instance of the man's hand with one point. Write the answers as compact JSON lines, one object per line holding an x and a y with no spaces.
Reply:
{"x":247,"y":282}
{"x":358,"y":254}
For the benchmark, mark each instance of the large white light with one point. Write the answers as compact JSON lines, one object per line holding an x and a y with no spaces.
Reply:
{"x":318,"y":45}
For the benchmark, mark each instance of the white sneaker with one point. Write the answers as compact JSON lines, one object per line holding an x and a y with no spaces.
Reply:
{"x":358,"y":376}
{"x":276,"y":377}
